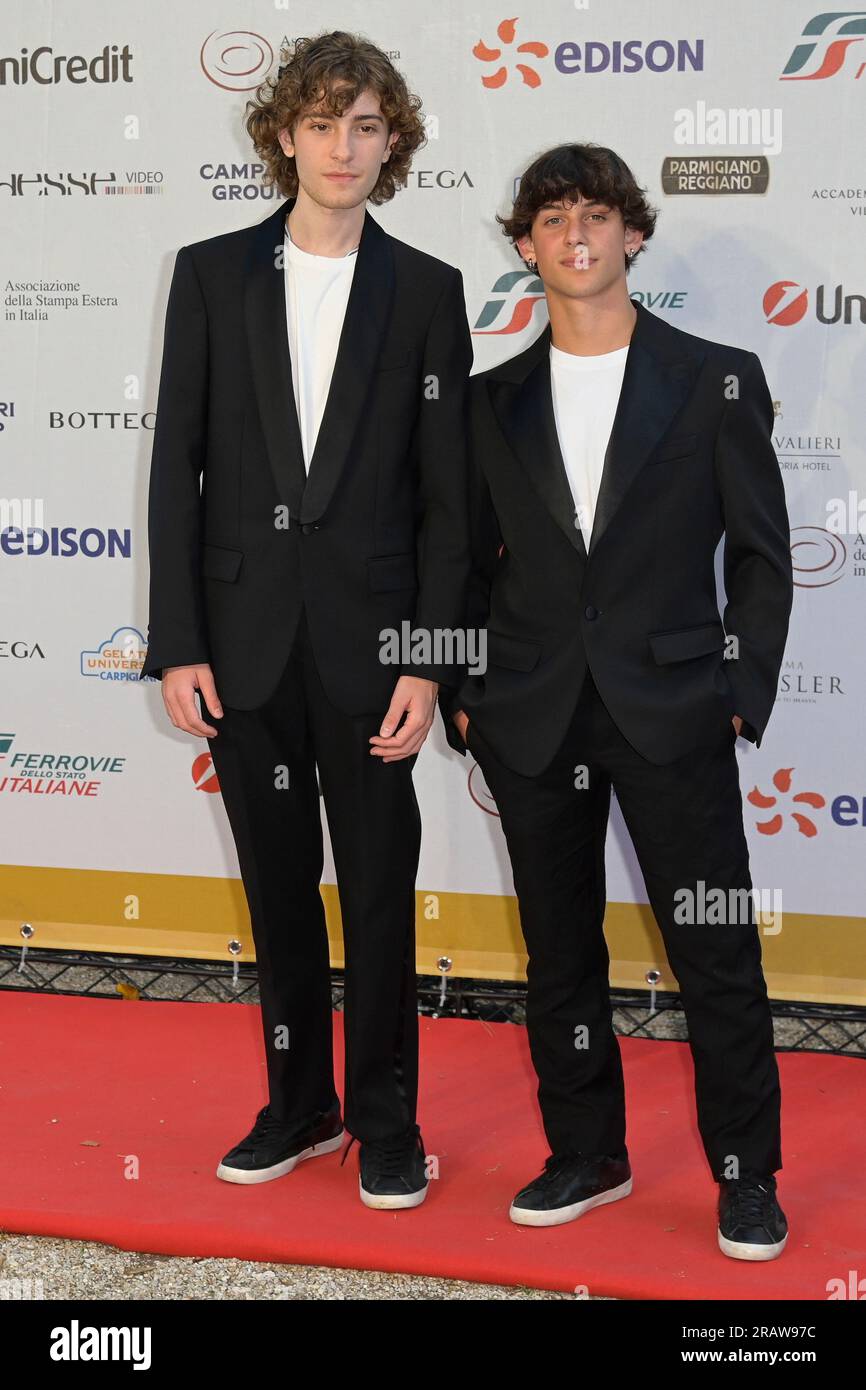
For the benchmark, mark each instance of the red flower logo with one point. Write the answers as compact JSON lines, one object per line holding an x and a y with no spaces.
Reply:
{"x":782,"y":783}
{"x":506,"y":33}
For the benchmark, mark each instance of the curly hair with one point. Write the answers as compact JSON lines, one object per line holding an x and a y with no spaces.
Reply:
{"x":571,"y":171}
{"x":333,"y":69}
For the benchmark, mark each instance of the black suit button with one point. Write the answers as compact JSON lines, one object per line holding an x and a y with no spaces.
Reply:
{"x":308,"y":526}
{"x":590,"y":612}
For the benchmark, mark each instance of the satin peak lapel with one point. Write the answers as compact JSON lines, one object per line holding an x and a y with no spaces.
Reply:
{"x":367,"y":312}
{"x":524,"y":409}
{"x":657,"y":380}
{"x":655,"y":385}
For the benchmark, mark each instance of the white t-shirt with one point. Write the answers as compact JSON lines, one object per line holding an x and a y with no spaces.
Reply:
{"x":317,"y":291}
{"x":585,"y":394}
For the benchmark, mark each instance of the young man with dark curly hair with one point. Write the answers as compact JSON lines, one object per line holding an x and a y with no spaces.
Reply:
{"x":608,"y":459}
{"x":315,"y":375}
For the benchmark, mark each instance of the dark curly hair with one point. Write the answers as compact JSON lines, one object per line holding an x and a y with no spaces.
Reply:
{"x":334,"y":69}
{"x":572,"y":171}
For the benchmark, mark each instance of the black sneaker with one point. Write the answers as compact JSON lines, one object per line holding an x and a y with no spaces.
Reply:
{"x":393,"y":1173}
{"x":570,"y":1185}
{"x":274,"y":1147}
{"x":752,"y":1225}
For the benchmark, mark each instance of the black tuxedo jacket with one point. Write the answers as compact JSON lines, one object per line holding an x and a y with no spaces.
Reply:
{"x":376,"y":534}
{"x":688,"y":461}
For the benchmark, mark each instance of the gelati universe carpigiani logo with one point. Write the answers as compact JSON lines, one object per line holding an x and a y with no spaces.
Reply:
{"x":119,"y":657}
{"x":520,"y":59}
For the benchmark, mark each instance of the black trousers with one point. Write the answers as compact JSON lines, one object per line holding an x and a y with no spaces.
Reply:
{"x":266,"y":762}
{"x":686,"y":823}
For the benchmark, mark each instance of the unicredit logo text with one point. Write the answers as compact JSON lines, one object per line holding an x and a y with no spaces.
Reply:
{"x":46,"y":68}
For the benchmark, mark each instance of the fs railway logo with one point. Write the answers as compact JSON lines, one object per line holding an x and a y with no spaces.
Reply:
{"x":828,"y":38}
{"x":509,"y":310}
{"x":51,"y":774}
{"x":782,"y":779}
{"x":506,"y":34}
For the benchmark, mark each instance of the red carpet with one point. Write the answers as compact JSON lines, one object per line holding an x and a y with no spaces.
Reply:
{"x":92,"y":1087}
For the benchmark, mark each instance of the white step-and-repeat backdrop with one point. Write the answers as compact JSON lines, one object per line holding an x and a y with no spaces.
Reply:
{"x":123,"y":139}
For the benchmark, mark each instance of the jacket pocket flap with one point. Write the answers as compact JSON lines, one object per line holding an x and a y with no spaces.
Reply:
{"x":675,"y":448}
{"x":391,"y":361}
{"x":518,"y":653}
{"x":387,"y":572}
{"x":687,"y":642}
{"x":219,"y":562}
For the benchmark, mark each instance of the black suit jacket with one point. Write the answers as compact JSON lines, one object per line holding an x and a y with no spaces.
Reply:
{"x":377,"y":533}
{"x":686,"y":462}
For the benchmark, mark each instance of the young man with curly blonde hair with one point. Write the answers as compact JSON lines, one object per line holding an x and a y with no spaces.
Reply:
{"x":315,"y":374}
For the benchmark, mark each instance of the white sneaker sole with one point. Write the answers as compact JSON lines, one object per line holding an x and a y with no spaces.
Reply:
{"x":389,"y":1201}
{"x":523,"y":1216}
{"x":740,"y":1251}
{"x":278,"y":1170}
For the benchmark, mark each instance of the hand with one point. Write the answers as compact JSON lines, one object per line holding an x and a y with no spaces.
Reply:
{"x":415,"y":697}
{"x":737,"y":723}
{"x":179,"y":684}
{"x":461,"y":719}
